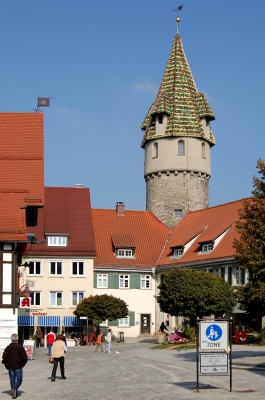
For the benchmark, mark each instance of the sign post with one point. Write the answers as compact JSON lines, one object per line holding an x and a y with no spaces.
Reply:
{"x":214,"y":343}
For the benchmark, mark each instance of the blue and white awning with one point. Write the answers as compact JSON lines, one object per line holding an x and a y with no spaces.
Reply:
{"x":48,"y":321}
{"x":73,"y":321}
{"x":25,"y":320}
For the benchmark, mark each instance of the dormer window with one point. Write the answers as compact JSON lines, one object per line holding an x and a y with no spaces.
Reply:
{"x":160,"y":118}
{"x":60,"y":241}
{"x":207,"y":248}
{"x":178,"y":253}
{"x":124,"y":253}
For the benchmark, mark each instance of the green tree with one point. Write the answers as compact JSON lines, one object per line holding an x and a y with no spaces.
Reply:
{"x":252,"y":298}
{"x":101,"y":307}
{"x":194,"y":293}
{"x":250,"y":247}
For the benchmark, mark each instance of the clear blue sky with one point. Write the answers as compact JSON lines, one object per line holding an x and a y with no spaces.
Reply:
{"x":103,"y":61}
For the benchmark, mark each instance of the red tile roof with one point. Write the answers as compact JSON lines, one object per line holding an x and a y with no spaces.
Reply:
{"x":21,"y":169}
{"x":207,"y":224}
{"x":67,"y":211}
{"x":139,"y":229}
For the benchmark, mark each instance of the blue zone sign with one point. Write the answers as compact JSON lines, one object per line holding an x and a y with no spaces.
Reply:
{"x":213,"y":335}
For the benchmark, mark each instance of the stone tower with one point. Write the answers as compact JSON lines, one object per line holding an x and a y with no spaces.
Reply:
{"x":177,"y":143}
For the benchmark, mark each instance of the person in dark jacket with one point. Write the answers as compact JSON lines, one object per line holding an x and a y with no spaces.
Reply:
{"x":15,"y":358}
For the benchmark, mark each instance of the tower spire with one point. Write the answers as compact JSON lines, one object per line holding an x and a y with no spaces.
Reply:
{"x":177,"y":141}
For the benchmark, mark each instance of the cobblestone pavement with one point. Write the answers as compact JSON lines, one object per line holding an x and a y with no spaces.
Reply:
{"x":136,"y":372}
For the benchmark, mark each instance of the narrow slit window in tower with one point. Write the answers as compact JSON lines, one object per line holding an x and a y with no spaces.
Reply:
{"x":181,"y":148}
{"x":155,"y":150}
{"x":203,"y":150}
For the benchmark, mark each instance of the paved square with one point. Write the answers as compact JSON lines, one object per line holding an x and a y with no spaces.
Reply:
{"x":136,"y":372}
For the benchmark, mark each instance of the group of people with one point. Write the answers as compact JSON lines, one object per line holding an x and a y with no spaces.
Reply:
{"x":107,"y":340}
{"x":15,"y":357}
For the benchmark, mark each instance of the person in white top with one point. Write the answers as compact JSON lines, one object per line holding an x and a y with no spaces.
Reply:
{"x":108,"y":339}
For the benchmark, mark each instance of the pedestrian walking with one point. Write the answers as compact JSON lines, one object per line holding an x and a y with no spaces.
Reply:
{"x":50,"y":340}
{"x":58,"y":354}
{"x":99,"y":342}
{"x":64,"y":338}
{"x":14,"y":359}
{"x":39,"y":336}
{"x":108,"y":340}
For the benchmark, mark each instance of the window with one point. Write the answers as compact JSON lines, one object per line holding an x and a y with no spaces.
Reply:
{"x":56,"y":268}
{"x":78,"y":268}
{"x":124,"y":281}
{"x":203,"y":150}
{"x":177,"y":213}
{"x":216,"y":272}
{"x":178,"y":253}
{"x":56,"y":299}
{"x":122,"y":253}
{"x":206,"y":248}
{"x":35,"y":298}
{"x":124,"y":321}
{"x":102,"y":280}
{"x":34,"y":268}
{"x":77,"y":297}
{"x":155,"y":150}
{"x":57,"y":240}
{"x":145,"y":282}
{"x":160,"y":118}
{"x":181,"y":148}
{"x":238,"y":275}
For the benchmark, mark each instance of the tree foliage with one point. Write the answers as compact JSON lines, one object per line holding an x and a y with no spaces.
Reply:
{"x":194,"y":293}
{"x":250,"y":247}
{"x":101,"y":307}
{"x":252,"y":298}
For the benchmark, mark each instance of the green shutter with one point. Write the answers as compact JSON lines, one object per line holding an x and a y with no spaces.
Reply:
{"x":95,"y":279}
{"x":110,"y":281}
{"x":116,"y":281}
{"x":230,"y":275}
{"x":135,"y":281}
{"x":132,"y":318}
{"x":114,"y":323}
{"x":243,"y":276}
{"x":223,"y":273}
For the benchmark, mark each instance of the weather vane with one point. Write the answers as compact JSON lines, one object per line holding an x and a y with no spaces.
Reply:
{"x":178,"y":19}
{"x":178,"y":9}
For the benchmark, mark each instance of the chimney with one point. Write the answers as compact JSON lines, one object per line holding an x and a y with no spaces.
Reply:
{"x":120,"y":208}
{"x":78,"y":185}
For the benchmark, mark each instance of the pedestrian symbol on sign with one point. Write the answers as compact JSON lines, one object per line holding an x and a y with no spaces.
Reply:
{"x":214,"y":332}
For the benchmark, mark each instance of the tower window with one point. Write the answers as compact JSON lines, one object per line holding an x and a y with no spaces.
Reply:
{"x":203,"y":150}
{"x":155,"y":150}
{"x":177,"y":213}
{"x":181,"y":148}
{"x":160,"y":118}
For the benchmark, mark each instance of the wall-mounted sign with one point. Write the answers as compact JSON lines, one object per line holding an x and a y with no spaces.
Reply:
{"x":25,"y":302}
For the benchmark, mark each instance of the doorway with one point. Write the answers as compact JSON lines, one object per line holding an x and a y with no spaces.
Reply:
{"x":145,"y":323}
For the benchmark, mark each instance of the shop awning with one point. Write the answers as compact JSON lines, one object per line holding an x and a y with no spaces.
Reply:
{"x":25,"y":320}
{"x":48,"y":321}
{"x":73,"y":321}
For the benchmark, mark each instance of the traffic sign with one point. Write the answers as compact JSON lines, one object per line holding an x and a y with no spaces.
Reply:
{"x":213,"y":336}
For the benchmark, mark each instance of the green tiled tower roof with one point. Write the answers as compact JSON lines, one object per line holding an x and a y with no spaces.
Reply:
{"x":179,"y":98}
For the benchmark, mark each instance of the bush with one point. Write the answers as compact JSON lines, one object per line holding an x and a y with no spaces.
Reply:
{"x":188,"y":330}
{"x":262,"y":337}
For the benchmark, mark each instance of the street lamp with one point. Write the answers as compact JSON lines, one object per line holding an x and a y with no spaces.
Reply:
{"x":25,"y":292}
